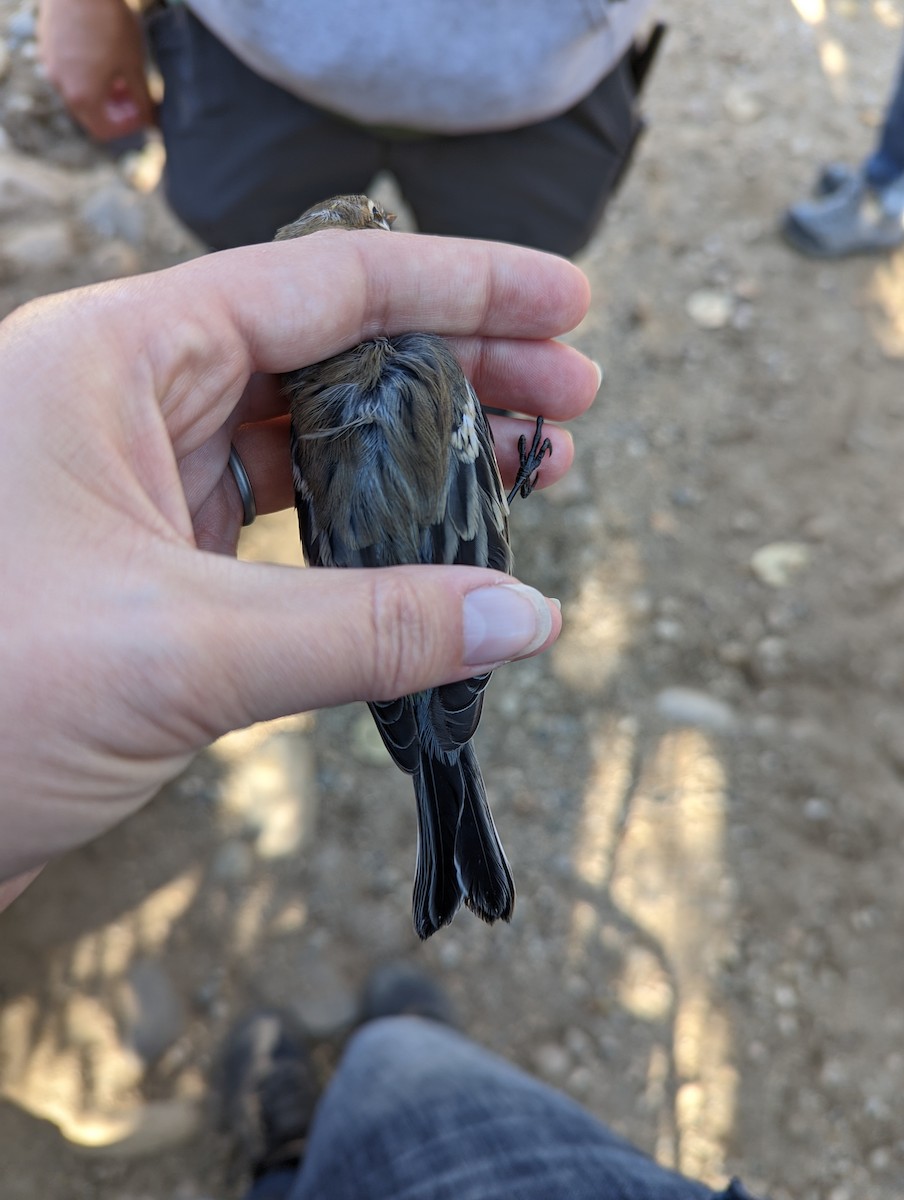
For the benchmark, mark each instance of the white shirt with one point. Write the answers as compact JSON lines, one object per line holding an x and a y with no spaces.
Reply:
{"x":441,"y":66}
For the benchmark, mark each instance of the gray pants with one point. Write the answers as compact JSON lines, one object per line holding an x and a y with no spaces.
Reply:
{"x":245,"y":156}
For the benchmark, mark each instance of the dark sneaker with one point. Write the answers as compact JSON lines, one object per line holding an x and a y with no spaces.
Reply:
{"x":268,"y":1090}
{"x":400,"y":990}
{"x":852,"y":217}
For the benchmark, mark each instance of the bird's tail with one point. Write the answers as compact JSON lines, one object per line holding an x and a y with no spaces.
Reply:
{"x":459,"y":857}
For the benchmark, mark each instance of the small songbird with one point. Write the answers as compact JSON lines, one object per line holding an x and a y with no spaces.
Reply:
{"x":393,"y":462}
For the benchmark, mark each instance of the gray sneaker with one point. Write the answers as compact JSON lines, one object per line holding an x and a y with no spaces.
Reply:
{"x":850,"y":217}
{"x":832,"y":177}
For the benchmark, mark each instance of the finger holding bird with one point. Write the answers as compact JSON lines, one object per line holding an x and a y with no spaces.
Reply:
{"x":513,"y":362}
{"x":263,"y":447}
{"x":533,"y":377}
{"x":530,"y":376}
{"x":455,"y":287}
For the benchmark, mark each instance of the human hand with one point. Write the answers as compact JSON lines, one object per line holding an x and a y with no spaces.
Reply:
{"x":93,"y":51}
{"x":125,"y":647}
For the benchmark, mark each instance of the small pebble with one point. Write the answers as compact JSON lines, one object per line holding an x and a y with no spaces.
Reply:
{"x":817,"y":810}
{"x":113,"y":211}
{"x":777,"y":563}
{"x":40,"y":247}
{"x":21,"y":26}
{"x":669,"y":631}
{"x":552,"y":1061}
{"x":686,"y":706}
{"x":741,"y":106}
{"x":710,"y":309}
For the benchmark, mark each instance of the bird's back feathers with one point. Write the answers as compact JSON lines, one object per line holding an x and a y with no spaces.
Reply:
{"x":393,"y":459}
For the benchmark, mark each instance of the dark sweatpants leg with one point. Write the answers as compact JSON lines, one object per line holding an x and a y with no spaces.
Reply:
{"x":244,"y":156}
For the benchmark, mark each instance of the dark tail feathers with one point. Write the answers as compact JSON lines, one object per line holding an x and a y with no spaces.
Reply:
{"x":459,"y":857}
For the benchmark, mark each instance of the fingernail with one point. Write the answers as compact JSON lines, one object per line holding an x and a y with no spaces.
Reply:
{"x":599,"y":373}
{"x":120,"y":111}
{"x":503,"y":622}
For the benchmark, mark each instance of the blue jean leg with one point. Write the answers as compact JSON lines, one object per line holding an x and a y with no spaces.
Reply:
{"x":418,"y":1112}
{"x":886,"y":163}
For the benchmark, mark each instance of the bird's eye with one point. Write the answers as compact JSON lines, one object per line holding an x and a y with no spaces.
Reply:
{"x":375,"y":212}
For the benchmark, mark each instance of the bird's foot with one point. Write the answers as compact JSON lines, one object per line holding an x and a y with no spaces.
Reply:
{"x":530,"y":460}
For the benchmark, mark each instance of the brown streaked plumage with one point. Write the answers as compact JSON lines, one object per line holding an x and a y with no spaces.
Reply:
{"x":393,"y":463}
{"x":342,"y":212}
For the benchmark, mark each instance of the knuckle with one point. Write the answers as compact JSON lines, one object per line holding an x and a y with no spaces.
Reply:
{"x":403,"y":635}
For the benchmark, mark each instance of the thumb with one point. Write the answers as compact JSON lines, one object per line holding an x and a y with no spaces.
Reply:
{"x":264,"y":641}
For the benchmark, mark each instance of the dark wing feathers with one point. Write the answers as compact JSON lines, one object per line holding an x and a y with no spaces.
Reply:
{"x":438,"y":790}
{"x":397,"y":724}
{"x":481,"y":865}
{"x":455,"y":710}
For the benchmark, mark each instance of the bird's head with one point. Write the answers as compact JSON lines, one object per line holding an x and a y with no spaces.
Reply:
{"x":342,"y":212}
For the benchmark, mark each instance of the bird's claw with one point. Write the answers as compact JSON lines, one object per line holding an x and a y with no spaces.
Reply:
{"x":529,"y":462}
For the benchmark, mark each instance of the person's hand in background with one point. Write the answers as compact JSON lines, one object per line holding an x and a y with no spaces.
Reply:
{"x":125,"y":648}
{"x":93,"y":51}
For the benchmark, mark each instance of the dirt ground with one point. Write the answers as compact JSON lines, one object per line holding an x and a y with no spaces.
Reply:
{"x":700,"y":788}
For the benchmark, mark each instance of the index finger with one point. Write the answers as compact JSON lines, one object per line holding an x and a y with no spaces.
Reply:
{"x":547,"y":379}
{"x":204,"y":327}
{"x":298,"y":301}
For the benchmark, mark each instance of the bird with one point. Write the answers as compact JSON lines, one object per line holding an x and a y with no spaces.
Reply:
{"x":392,"y":463}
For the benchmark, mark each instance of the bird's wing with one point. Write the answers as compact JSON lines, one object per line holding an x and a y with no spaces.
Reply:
{"x":473,"y":532}
{"x":314,"y":542}
{"x":473,"y":527}
{"x":455,"y":710}
{"x":396,"y":722}
{"x":326,"y":547}
{"x":441,"y":719}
